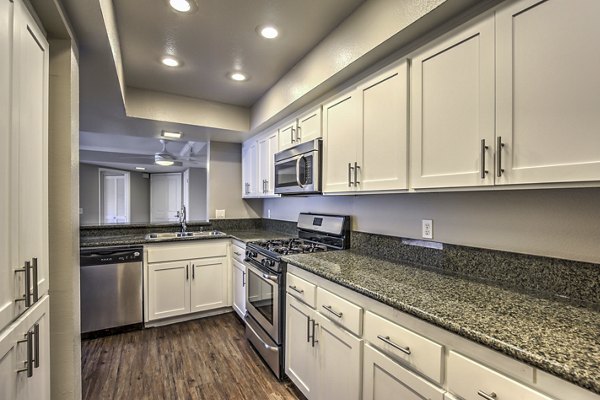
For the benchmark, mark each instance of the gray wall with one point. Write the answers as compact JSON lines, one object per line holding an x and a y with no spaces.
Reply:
{"x":198,"y":194}
{"x":225,"y":177}
{"x":89,"y":197}
{"x":562,"y":223}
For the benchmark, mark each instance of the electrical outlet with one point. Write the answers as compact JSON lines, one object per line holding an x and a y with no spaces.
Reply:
{"x":219,"y":214}
{"x":427,"y":229}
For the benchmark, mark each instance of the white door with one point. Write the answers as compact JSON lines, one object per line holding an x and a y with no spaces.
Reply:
{"x":385,"y":379}
{"x":384,"y":147}
{"x":301,"y":364}
{"x":340,"y":361}
{"x":452,"y":109}
{"x":309,"y":126}
{"x":208,"y":285}
{"x":8,"y":291}
{"x":250,"y":170}
{"x":341,"y":136}
{"x":165,"y":199}
{"x":29,"y":139}
{"x":239,"y":288}
{"x":168,"y":289}
{"x":287,"y":136}
{"x":548,"y":91}
{"x":115,"y":198}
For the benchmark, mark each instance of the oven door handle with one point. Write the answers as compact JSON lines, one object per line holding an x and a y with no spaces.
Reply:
{"x":298,"y":171}
{"x":273,"y":278}
{"x":265,"y":345}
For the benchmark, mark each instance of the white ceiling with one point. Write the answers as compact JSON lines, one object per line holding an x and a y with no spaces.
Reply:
{"x":220,"y":37}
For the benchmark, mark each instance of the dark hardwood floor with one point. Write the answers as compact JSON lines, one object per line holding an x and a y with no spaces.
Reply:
{"x":202,"y":359}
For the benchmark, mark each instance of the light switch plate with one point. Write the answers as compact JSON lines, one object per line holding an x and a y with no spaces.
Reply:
{"x":219,"y":214}
{"x":427,"y":229}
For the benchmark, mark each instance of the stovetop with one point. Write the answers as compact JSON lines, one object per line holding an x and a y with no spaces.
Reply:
{"x":288,"y":246}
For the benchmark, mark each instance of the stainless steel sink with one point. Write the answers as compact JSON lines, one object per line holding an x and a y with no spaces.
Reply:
{"x":183,"y":235}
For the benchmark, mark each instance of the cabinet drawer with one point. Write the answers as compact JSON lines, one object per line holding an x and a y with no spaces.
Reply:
{"x":472,"y":381}
{"x":340,"y":311}
{"x":237,"y":252}
{"x":420,"y":353}
{"x":301,"y":289}
{"x":186,"y":251}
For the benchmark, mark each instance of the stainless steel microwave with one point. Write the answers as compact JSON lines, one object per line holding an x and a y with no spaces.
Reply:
{"x":298,"y":169}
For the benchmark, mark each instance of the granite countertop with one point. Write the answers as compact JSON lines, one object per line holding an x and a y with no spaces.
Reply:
{"x":561,"y":339}
{"x":140,"y":239}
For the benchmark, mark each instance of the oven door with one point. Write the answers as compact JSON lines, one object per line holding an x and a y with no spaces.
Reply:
{"x":298,"y":174}
{"x":263,"y":300}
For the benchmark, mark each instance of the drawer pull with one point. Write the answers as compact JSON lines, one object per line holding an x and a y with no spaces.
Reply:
{"x":386,"y":339}
{"x":337,"y":314}
{"x":295,"y":289}
{"x":237,"y":253}
{"x":491,"y":396}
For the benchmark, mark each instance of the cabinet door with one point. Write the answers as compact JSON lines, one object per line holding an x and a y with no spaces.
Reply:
{"x":309,"y":126}
{"x":250,"y":170}
{"x":29,"y":146}
{"x":384,"y":379}
{"x":287,"y":136}
{"x":300,"y":355}
{"x":239,"y":288}
{"x":38,"y":386}
{"x":168,"y":289}
{"x":341,"y":135}
{"x":267,"y":147}
{"x":384,"y":147}
{"x":452,"y":109}
{"x":208,"y":284}
{"x":340,"y":361}
{"x":11,"y":358}
{"x":548,"y":91}
{"x":8,"y":292}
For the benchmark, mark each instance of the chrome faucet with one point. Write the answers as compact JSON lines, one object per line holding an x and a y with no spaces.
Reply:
{"x":182,"y":219}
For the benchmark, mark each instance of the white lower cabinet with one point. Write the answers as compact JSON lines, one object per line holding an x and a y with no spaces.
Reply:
{"x":385,"y":379}
{"x":25,"y":356}
{"x":186,"y":278}
{"x":239,"y":288}
{"x":473,"y":381}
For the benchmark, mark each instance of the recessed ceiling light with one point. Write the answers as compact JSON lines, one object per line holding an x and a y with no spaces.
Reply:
{"x":268,"y":31}
{"x":140,"y":168}
{"x":238,"y":76}
{"x":171,"y":135}
{"x":170,"y":61}
{"x":181,"y":5}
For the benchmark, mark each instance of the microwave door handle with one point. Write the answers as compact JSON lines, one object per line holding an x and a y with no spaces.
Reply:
{"x":298,"y":171}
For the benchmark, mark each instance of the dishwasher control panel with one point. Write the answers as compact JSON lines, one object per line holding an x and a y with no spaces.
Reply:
{"x":110,"y":256}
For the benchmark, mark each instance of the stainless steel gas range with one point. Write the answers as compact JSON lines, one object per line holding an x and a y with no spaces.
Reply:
{"x":265,"y":290}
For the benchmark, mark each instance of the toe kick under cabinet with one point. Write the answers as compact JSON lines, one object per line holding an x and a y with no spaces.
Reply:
{"x":343,"y":345}
{"x":182,"y":279}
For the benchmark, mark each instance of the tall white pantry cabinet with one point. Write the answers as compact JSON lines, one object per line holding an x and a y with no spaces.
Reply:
{"x":24,"y":301}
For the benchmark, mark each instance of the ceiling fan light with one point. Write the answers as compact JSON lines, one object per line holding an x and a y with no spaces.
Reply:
{"x":164,"y":163}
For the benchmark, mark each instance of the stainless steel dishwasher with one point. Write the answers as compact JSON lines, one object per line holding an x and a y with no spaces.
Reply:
{"x":111,"y":290}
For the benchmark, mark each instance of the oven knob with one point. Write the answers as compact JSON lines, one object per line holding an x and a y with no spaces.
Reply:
{"x":271,"y":263}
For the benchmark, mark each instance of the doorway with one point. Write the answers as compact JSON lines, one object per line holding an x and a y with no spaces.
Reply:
{"x":114,"y":196}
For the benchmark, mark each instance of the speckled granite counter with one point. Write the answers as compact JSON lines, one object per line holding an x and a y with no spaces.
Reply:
{"x":254,"y":235}
{"x":555,"y":337}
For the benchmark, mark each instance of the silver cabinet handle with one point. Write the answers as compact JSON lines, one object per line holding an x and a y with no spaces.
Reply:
{"x":483,"y":150}
{"x":243,"y":278}
{"x":386,"y":339}
{"x":36,"y":345}
{"x":292,"y":131}
{"x":350,"y":168}
{"x":237,"y":253}
{"x":187,"y":272}
{"x":298,"y":133}
{"x":295,"y":289}
{"x":499,"y":147}
{"x":26,"y":298}
{"x":356,"y":167}
{"x":308,"y":329}
{"x":265,"y":345}
{"x":491,"y":396}
{"x":193,"y":271}
{"x":314,"y":326}
{"x":35,"y":279}
{"x":273,"y":278}
{"x":28,"y":367}
{"x":337,"y":314}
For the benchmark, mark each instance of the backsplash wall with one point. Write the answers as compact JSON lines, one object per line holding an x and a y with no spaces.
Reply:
{"x":561,"y":223}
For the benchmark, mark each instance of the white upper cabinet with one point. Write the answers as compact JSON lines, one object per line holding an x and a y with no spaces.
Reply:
{"x":303,"y":129}
{"x":267,"y":147}
{"x":452,"y":109}
{"x":384,"y":144}
{"x":548,"y":91}
{"x":341,"y":136}
{"x":250,"y":169}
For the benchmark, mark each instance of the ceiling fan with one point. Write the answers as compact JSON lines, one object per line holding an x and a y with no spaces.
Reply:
{"x":167,"y":159}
